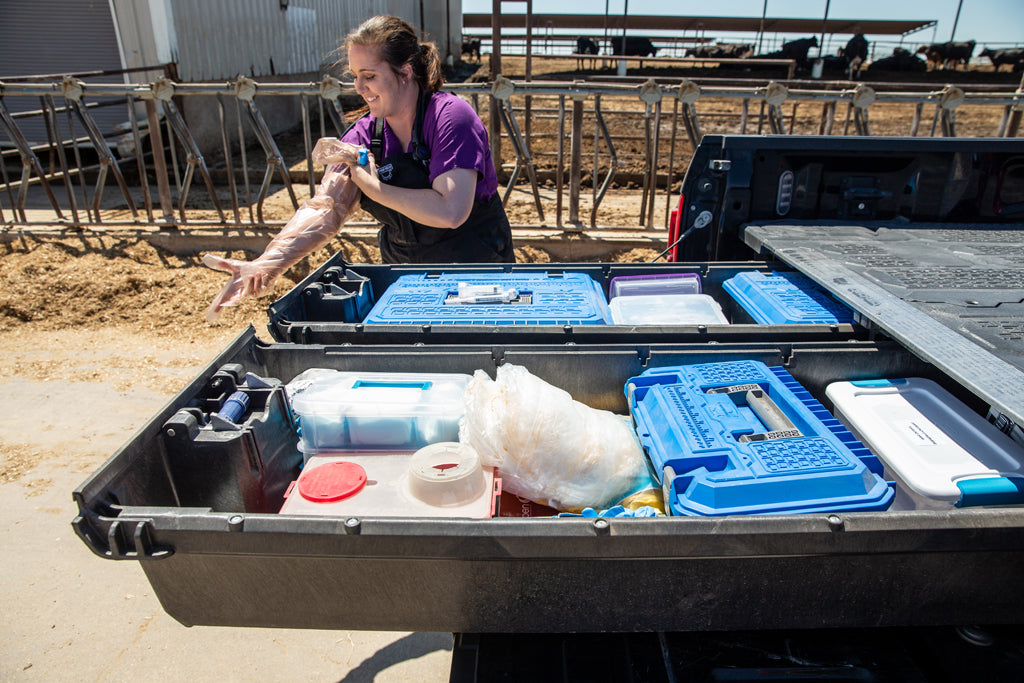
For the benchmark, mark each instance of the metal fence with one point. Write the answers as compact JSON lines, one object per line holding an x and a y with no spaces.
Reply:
{"x":154,"y":161}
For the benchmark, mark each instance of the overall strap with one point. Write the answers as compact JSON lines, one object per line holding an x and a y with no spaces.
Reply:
{"x":420,"y":151}
{"x":377,"y":141}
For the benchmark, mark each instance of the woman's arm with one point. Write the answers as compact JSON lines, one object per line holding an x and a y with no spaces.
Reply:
{"x":312,"y":226}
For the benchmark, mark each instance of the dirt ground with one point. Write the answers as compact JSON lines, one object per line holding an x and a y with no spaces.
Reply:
{"x":98,"y":331}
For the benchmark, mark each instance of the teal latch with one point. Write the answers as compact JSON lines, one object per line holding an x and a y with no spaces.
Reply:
{"x":990,"y":491}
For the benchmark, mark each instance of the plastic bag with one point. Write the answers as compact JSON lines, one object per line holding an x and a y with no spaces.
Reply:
{"x":548,"y":447}
{"x":312,"y":226}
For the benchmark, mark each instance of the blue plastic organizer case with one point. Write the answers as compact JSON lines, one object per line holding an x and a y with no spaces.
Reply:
{"x":538,"y":299}
{"x":785,"y":299}
{"x":742,"y":438}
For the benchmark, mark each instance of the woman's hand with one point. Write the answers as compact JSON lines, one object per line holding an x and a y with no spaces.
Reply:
{"x":336,"y":154}
{"x":248,"y":278}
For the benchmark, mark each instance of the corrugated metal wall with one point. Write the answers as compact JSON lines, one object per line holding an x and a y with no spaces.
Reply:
{"x":218,"y":39}
{"x":58,"y":37}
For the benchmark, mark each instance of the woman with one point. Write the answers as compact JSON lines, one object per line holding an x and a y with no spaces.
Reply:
{"x":428,"y":176}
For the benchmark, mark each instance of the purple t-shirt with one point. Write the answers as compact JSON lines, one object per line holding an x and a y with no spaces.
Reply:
{"x":454,"y":134}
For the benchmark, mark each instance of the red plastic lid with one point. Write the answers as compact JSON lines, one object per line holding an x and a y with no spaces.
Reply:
{"x":332,"y":481}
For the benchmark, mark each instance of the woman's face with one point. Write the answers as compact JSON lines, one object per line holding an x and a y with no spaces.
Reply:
{"x":385,"y":92}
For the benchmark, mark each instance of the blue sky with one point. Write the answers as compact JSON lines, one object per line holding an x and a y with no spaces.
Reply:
{"x":1000,"y":22}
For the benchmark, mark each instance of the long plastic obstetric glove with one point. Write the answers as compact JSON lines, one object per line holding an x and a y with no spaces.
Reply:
{"x":312,"y":226}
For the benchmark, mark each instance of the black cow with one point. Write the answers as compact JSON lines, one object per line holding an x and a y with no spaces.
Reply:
{"x":471,"y":48}
{"x":901,"y":60}
{"x":1014,"y":57}
{"x":856,"y":50}
{"x":586,"y":46}
{"x":798,"y":49}
{"x":634,"y":46}
{"x":947,"y":54}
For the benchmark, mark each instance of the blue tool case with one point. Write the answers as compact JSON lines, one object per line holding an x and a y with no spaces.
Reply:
{"x":785,"y":298}
{"x":492,"y":299}
{"x":743,"y":438}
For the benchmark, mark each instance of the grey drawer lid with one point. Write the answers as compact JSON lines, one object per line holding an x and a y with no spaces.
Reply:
{"x":954,"y":295}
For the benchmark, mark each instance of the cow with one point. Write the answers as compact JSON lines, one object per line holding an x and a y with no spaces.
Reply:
{"x":856,"y":51}
{"x":947,"y":54}
{"x":1014,"y":57}
{"x":586,"y":46}
{"x":471,"y":48}
{"x":798,"y":49}
{"x":721,"y":51}
{"x":634,"y":46}
{"x":901,"y":60}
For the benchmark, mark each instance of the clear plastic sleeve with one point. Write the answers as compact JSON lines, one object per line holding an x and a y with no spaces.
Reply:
{"x":312,"y":226}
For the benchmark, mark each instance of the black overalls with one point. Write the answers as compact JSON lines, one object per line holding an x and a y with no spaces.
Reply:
{"x":485,"y":237}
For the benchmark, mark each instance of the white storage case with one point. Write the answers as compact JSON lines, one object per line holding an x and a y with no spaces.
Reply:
{"x":935,"y":445}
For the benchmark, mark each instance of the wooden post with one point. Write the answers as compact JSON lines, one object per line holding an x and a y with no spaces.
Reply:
{"x":495,"y":72}
{"x":159,"y":163}
{"x":575,"y":169}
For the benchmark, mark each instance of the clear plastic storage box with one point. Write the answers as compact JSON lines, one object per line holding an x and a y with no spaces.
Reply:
{"x":661,"y":283}
{"x":370,"y":410}
{"x":667,"y":309}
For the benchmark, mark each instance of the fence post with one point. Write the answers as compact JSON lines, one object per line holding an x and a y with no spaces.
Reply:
{"x":863,"y":97}
{"x":159,"y":92}
{"x":1015,"y":111}
{"x":575,"y":163}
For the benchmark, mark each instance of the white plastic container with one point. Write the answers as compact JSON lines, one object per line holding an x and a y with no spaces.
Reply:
{"x":441,"y":480}
{"x":376,"y":410}
{"x":667,"y":309}
{"x":934,"y":444}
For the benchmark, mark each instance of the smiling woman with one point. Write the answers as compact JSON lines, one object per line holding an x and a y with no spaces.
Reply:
{"x":429,"y":177}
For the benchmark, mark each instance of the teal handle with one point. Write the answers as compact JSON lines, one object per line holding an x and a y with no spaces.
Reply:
{"x":877,"y":382}
{"x":391,"y":384}
{"x":990,"y":491}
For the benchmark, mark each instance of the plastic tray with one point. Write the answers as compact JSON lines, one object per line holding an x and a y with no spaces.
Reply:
{"x":540,"y":299}
{"x":932,"y":441}
{"x":785,"y":298}
{"x":743,"y":438}
{"x":667,"y":309}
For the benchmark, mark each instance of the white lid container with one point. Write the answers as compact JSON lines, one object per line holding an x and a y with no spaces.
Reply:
{"x":370,"y":410}
{"x":441,"y":480}
{"x":667,"y":309}
{"x":935,"y":444}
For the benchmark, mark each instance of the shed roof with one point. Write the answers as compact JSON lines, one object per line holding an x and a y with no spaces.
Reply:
{"x":900,"y":27}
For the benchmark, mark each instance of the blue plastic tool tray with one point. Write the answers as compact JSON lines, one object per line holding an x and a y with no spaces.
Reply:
{"x":742,"y":438}
{"x":541,"y":299}
{"x":785,"y":299}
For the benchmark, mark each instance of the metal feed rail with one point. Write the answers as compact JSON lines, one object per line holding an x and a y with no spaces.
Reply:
{"x":164,"y":127}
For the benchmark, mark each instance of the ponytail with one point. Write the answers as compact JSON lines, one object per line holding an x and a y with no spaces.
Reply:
{"x":399,"y":45}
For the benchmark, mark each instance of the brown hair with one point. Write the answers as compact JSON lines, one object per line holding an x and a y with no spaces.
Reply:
{"x":399,"y":45}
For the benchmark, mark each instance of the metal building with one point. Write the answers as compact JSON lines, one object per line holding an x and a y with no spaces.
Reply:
{"x":133,"y":41}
